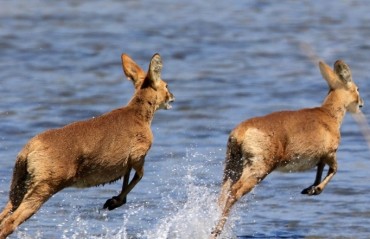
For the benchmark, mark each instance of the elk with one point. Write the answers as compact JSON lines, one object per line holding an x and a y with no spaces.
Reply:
{"x":91,"y":152}
{"x":288,"y":141}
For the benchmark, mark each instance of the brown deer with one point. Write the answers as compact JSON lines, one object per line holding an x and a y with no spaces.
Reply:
{"x":288,"y":141}
{"x":91,"y":152}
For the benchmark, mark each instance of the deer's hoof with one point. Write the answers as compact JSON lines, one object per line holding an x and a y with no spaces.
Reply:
{"x":113,"y":203}
{"x":313,"y":190}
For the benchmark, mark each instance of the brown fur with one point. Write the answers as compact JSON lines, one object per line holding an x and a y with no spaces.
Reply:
{"x":288,"y":141}
{"x":89,"y":153}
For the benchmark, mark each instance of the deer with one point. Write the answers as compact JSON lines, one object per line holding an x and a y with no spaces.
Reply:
{"x":288,"y":141}
{"x":89,"y":153}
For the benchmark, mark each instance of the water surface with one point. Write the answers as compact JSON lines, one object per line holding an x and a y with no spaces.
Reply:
{"x":224,"y":61}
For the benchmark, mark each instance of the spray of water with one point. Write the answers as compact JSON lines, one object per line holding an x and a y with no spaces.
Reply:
{"x":197,"y":215}
{"x":191,"y":220}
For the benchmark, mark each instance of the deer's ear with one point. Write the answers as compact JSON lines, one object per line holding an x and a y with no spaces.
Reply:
{"x":132,"y":71}
{"x":342,"y":71}
{"x":155,"y":70}
{"x":329,"y":75}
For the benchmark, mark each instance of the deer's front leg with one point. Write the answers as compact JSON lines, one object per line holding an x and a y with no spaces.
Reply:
{"x":311,"y":189}
{"x":318,"y":186}
{"x":119,"y":200}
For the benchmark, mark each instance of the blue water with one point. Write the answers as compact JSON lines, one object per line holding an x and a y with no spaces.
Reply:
{"x":225,"y":61}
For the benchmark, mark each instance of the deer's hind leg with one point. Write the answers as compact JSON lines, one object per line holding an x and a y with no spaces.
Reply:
{"x":18,"y":188}
{"x":250,"y":177}
{"x":36,"y":195}
{"x":6,"y":211}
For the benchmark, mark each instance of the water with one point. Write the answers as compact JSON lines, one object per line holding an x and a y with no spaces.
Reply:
{"x":224,"y":61}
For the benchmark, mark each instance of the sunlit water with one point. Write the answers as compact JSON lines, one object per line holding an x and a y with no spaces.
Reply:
{"x":225,"y":61}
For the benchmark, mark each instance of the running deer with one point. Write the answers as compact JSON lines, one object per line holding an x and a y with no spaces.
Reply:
{"x":288,"y":141}
{"x":91,"y":152}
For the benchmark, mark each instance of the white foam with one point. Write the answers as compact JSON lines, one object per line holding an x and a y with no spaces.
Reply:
{"x":195,"y":217}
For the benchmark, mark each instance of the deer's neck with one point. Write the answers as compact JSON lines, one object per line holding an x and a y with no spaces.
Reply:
{"x":144,"y":105}
{"x":334,"y":105}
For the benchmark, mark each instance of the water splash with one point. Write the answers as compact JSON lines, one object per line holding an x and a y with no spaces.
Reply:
{"x":191,"y":220}
{"x":197,"y":214}
{"x":194,"y":219}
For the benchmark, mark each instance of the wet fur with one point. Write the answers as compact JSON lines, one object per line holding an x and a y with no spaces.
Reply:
{"x":89,"y":153}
